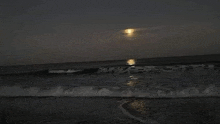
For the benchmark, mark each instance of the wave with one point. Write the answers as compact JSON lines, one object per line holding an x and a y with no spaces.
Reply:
{"x":55,"y":72}
{"x":41,"y":72}
{"x":92,"y":91}
{"x":118,"y":70}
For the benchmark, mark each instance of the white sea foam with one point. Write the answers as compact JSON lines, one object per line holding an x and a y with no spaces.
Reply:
{"x":63,"y":71}
{"x":146,"y":120}
{"x":138,"y":69}
{"x":89,"y":91}
{"x":168,"y":84}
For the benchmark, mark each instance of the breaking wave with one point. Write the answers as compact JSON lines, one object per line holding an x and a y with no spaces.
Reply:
{"x":154,"y":91}
{"x":92,"y":91}
{"x":119,"y":69}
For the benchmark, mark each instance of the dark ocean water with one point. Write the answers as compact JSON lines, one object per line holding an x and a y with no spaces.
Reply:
{"x":112,"y":91}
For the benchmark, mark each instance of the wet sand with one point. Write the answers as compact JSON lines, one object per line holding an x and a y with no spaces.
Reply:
{"x":62,"y":110}
{"x":195,"y":110}
{"x":109,"y":110}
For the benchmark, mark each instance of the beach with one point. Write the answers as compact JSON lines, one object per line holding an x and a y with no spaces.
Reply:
{"x":107,"y":110}
{"x":63,"y":110}
{"x":195,"y":110}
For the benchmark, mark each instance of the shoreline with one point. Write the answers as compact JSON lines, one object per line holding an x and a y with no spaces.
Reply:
{"x":134,"y":114}
{"x":196,"y":110}
{"x":168,"y":110}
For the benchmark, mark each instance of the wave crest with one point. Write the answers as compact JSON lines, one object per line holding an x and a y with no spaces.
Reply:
{"x":92,"y":91}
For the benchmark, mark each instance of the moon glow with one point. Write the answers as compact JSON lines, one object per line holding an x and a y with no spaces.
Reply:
{"x":131,"y":62}
{"x":129,"y":32}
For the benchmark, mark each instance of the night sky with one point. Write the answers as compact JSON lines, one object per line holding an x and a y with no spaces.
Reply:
{"x":54,"y":31}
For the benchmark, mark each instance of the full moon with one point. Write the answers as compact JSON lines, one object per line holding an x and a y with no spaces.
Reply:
{"x":131,"y":62}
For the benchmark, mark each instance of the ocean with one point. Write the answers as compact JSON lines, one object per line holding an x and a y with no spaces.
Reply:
{"x":155,"y":91}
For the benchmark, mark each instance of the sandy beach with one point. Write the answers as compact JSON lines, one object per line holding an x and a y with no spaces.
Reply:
{"x":97,"y":110}
{"x":62,"y":110}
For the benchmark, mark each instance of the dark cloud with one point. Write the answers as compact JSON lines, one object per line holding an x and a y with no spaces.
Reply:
{"x":46,"y":31}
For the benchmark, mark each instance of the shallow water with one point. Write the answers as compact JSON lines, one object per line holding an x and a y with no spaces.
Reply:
{"x":140,"y":81}
{"x":172,"y":111}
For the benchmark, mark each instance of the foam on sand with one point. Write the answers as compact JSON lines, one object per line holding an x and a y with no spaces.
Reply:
{"x":126,"y":112}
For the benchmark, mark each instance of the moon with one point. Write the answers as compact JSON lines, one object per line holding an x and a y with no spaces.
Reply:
{"x":131,"y":62}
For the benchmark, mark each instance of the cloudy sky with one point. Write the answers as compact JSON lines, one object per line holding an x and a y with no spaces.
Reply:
{"x":53,"y":31}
